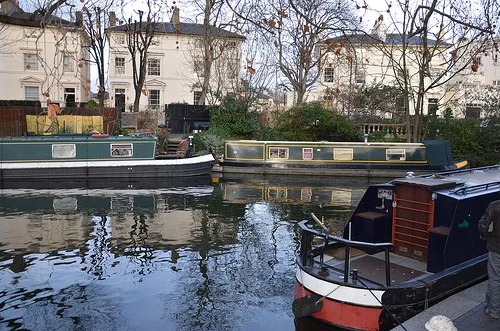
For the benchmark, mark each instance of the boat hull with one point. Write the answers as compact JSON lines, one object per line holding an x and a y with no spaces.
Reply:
{"x":194,"y":166}
{"x":89,"y":157}
{"x":383,"y":308}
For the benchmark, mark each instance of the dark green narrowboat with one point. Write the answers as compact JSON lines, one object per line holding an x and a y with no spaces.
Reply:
{"x":337,"y":158}
{"x":75,"y":157}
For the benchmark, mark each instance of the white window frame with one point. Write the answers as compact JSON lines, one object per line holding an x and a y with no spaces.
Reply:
{"x":119,"y":66}
{"x":155,"y":41}
{"x":232,"y":69}
{"x":307,"y":153}
{"x":32,"y":93}
{"x":279,"y":153}
{"x":196,"y":97}
{"x":199,"y":68}
{"x":30,"y":62}
{"x":68,"y":64}
{"x":120,"y":39}
{"x":395,"y":154}
{"x":328,"y":75}
{"x":343,"y":154}
{"x":154,"y":67}
{"x":154,"y":98}
{"x":360,"y":76}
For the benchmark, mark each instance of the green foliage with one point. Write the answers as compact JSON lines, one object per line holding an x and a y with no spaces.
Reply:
{"x":471,"y":139}
{"x":91,"y":104}
{"x":312,"y":122}
{"x":206,"y":141}
{"x":232,"y":119}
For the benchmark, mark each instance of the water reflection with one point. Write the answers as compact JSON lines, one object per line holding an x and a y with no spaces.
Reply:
{"x":159,"y":256}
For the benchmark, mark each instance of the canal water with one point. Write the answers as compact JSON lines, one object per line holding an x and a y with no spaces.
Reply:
{"x":184,"y":254}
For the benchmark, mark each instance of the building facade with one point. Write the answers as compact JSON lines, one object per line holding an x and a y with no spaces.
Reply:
{"x":175,"y":66}
{"x":42,"y":58}
{"x":357,"y":61}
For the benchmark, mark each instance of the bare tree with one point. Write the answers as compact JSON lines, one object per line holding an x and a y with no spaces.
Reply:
{"x":140,"y":34}
{"x":438,"y":41}
{"x":218,"y":43}
{"x":95,"y":21}
{"x":296,"y":28}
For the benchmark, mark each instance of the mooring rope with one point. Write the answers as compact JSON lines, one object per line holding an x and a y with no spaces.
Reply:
{"x":383,"y":306}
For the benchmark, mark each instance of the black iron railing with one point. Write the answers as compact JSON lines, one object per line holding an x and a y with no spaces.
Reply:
{"x":308,"y":254}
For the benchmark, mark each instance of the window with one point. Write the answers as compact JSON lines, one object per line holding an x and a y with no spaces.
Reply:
{"x":197,"y":97}
{"x":122,"y":150}
{"x":199,"y":43}
{"x":30,"y":61}
{"x":154,"y":98}
{"x":120,"y":39}
{"x":359,"y":76}
{"x":343,"y":154}
{"x":472,"y":110}
{"x":68,"y":64}
{"x":154,"y":67}
{"x":198,"y":68}
{"x":278,"y":153}
{"x":69,"y":97}
{"x":155,"y":41}
{"x":31,"y":33}
{"x":328,"y":75}
{"x":231,"y":44}
{"x":395,"y":154}
{"x":496,"y":83}
{"x":120,"y":99}
{"x":120,"y":66}
{"x":432,"y":107}
{"x":307,"y":153}
{"x":232,"y":69}
{"x":31,"y":93}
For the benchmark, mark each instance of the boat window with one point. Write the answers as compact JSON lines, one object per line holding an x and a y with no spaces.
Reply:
{"x":307,"y":153}
{"x":122,"y":150}
{"x":278,"y":153}
{"x":395,"y":154}
{"x":343,"y":154}
{"x":305,"y":194}
{"x":63,"y":151}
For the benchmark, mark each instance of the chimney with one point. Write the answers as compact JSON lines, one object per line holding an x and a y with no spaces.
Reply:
{"x":79,"y":18}
{"x":112,"y":18}
{"x":379,"y":28}
{"x":176,"y":20}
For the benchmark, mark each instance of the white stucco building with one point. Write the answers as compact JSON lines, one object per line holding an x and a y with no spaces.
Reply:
{"x":174,"y":66}
{"x":42,"y":58}
{"x":478,"y":85}
{"x":376,"y":59}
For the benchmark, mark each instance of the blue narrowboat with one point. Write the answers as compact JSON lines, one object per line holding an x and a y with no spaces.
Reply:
{"x":409,"y":244}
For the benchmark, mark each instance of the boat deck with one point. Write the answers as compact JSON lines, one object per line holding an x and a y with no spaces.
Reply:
{"x":372,"y":267}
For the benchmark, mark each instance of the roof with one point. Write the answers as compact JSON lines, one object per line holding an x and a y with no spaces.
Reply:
{"x":185,"y":28}
{"x":34,"y":19}
{"x":391,"y":39}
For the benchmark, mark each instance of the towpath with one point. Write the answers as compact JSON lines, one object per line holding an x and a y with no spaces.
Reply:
{"x":465,"y":309}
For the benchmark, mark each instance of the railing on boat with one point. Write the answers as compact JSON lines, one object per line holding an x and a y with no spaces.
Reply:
{"x":307,"y":255}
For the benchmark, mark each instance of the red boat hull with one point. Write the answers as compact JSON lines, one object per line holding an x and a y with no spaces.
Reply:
{"x":344,"y":315}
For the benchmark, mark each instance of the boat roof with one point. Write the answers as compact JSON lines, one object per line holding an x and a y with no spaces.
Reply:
{"x":458,"y":184}
{"x":344,"y":143}
{"x":72,"y":137}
